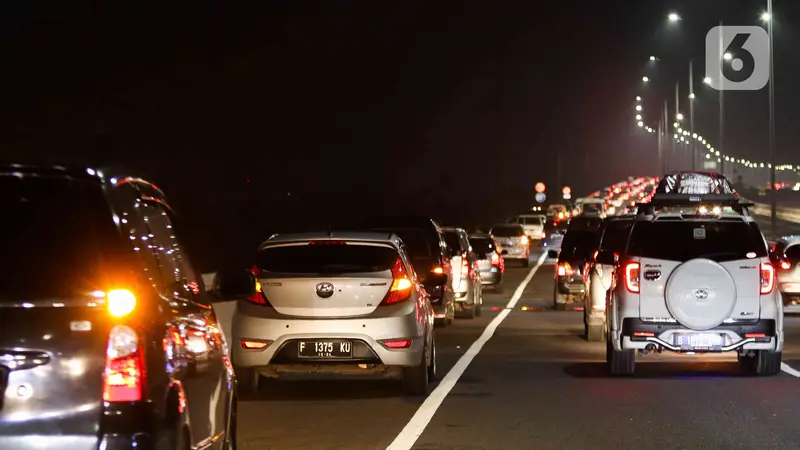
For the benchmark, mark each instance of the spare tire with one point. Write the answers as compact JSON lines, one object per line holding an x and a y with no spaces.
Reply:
{"x":700,"y":294}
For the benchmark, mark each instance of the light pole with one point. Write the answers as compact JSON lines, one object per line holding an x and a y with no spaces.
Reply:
{"x":774,"y":200}
{"x":691,"y":114}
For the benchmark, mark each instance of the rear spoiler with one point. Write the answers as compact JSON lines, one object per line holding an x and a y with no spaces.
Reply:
{"x":735,"y":202}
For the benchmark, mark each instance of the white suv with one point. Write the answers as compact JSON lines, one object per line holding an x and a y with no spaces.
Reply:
{"x":694,"y":278}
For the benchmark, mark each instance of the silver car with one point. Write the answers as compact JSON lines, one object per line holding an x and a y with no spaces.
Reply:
{"x":333,"y":304}
{"x":786,"y":259}
{"x":513,"y":241}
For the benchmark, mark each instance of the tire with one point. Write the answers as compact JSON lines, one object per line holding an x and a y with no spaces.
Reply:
{"x":415,"y":379}
{"x":620,"y":363}
{"x":432,"y":366}
{"x":595,"y":333}
{"x":767,"y":363}
{"x":246,"y":382}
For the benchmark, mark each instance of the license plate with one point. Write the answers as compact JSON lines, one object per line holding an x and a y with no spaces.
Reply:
{"x":699,"y":340}
{"x":325,"y":349}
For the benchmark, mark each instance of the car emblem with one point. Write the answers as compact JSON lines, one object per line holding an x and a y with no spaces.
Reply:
{"x":700,"y":294}
{"x":324,"y":290}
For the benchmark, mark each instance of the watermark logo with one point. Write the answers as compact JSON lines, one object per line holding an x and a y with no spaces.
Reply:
{"x":737,"y":58}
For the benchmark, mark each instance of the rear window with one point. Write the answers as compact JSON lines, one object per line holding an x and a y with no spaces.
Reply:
{"x":585,"y":223}
{"x":417,"y":242}
{"x":58,"y":239}
{"x":507,"y":231}
{"x":592,"y":208}
{"x":483,"y":246}
{"x":309,"y":259}
{"x":453,"y":242}
{"x":530,"y":220}
{"x":579,"y":244}
{"x":793,"y":253}
{"x":615,"y":236}
{"x":685,"y":240}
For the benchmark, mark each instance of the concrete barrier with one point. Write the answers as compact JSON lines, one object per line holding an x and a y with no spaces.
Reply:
{"x":783,"y":212}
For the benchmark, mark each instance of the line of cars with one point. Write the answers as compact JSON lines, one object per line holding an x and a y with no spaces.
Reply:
{"x":686,"y":271}
{"x":110,"y":339}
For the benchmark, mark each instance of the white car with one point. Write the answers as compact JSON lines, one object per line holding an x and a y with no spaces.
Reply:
{"x":692,"y":280}
{"x":332,"y":304}
{"x":533,"y":224}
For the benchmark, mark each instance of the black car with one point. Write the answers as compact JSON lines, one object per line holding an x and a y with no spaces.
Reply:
{"x":108,"y":338}
{"x":425,"y":242}
{"x":576,"y":248}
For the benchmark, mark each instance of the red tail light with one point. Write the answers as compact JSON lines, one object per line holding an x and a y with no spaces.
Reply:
{"x":524,"y":240}
{"x":767,"y":278}
{"x":258,"y":297}
{"x":401,"y":288}
{"x":464,"y":267}
{"x":438,"y":270}
{"x":631,"y":275}
{"x":397,"y":343}
{"x":497,"y":261}
{"x":785,"y":265}
{"x":124,"y":373}
{"x":564,"y":269}
{"x":254,"y":344}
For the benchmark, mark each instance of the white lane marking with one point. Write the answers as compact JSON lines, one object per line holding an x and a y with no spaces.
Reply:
{"x":788,"y":369}
{"x":414,"y":428}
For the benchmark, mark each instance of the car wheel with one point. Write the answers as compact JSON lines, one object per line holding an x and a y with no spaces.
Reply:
{"x":432,"y":364}
{"x":415,"y":379}
{"x":767,"y":363}
{"x":622,"y":362}
{"x":595,"y":333}
{"x":246,"y":381}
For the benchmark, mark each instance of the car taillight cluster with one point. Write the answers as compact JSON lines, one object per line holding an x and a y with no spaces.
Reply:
{"x":630,"y":274}
{"x":259,"y":297}
{"x":786,"y":265}
{"x":124,"y":373}
{"x":564,"y":269}
{"x":464,"y":266}
{"x":523,"y":240}
{"x":767,"y":278}
{"x":401,"y":288}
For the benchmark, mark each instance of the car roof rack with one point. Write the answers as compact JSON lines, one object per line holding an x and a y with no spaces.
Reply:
{"x":738,"y":204}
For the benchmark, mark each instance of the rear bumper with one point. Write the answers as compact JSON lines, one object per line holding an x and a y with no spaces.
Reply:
{"x":365,"y":334}
{"x":735,"y":336}
{"x":491,"y":278}
{"x":570,"y":287}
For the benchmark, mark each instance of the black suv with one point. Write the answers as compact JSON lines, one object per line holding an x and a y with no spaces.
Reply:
{"x":430,"y":256}
{"x":580,"y":241}
{"x":108,"y":339}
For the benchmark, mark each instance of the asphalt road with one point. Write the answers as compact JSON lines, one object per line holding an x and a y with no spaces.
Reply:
{"x":537,"y":384}
{"x":782,"y":227}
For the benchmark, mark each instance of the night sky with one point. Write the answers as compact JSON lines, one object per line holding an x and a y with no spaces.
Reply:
{"x":286,"y":115}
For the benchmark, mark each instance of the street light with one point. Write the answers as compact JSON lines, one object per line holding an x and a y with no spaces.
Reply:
{"x":640,"y":123}
{"x":727,"y":56}
{"x":645,"y":79}
{"x":673,"y":17}
{"x":691,"y":96}
{"x":766,"y":17}
{"x":638,"y":117}
{"x":679,"y":116}
{"x":707,"y":80}
{"x":638,"y":107}
{"x":652,"y":58}
{"x":638,"y":99}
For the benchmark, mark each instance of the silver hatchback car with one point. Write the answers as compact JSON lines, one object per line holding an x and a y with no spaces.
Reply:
{"x":332,"y":304}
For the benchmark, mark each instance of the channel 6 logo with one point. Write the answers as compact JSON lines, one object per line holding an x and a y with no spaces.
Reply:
{"x":737,"y":58}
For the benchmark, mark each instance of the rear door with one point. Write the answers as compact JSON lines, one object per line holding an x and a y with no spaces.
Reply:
{"x":59,"y":251}
{"x":665,"y":245}
{"x":326,"y":278}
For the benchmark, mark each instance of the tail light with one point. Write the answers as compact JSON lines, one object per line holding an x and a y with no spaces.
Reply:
{"x":395,"y":344}
{"x":564,"y":269}
{"x":438,"y":270}
{"x":259,"y":297}
{"x":464,"y":267}
{"x":524,"y":240}
{"x":767,"y":278}
{"x":497,"y":261}
{"x":401,"y":285}
{"x":543,"y":235}
{"x":120,"y":302}
{"x":631,"y":275}
{"x":254,"y":344}
{"x":786,"y":265}
{"x":124,"y":373}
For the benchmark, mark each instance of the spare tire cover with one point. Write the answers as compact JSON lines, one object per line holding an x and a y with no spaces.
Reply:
{"x":700,"y":294}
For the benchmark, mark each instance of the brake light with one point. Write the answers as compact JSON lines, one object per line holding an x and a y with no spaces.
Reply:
{"x":397,"y":343}
{"x":785,"y":265}
{"x":464,"y":267}
{"x":495,"y":259}
{"x":564,"y":269}
{"x":124,"y":373}
{"x":543,"y":235}
{"x":401,"y":288}
{"x":253,"y":344}
{"x":631,"y":275}
{"x":438,"y":270}
{"x":120,"y":302}
{"x":524,"y":240}
{"x":594,"y":255}
{"x":258,"y":297}
{"x":767,"y":278}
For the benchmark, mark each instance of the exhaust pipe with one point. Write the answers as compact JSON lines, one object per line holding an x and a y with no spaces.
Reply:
{"x":650,"y":348}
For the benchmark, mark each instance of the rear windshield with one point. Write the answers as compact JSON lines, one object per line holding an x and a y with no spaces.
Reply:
{"x":507,"y":231}
{"x":530,"y":220}
{"x":578,"y":244}
{"x":482,"y":246}
{"x":592,"y":208}
{"x":685,"y":240}
{"x":793,"y":253}
{"x":615,"y":236}
{"x":326,"y":259}
{"x":453,"y":242}
{"x":417,"y":241}
{"x":57,"y":239}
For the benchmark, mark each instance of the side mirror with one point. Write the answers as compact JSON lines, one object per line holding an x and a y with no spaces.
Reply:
{"x":553,"y":254}
{"x":233,"y":285}
{"x":606,"y":257}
